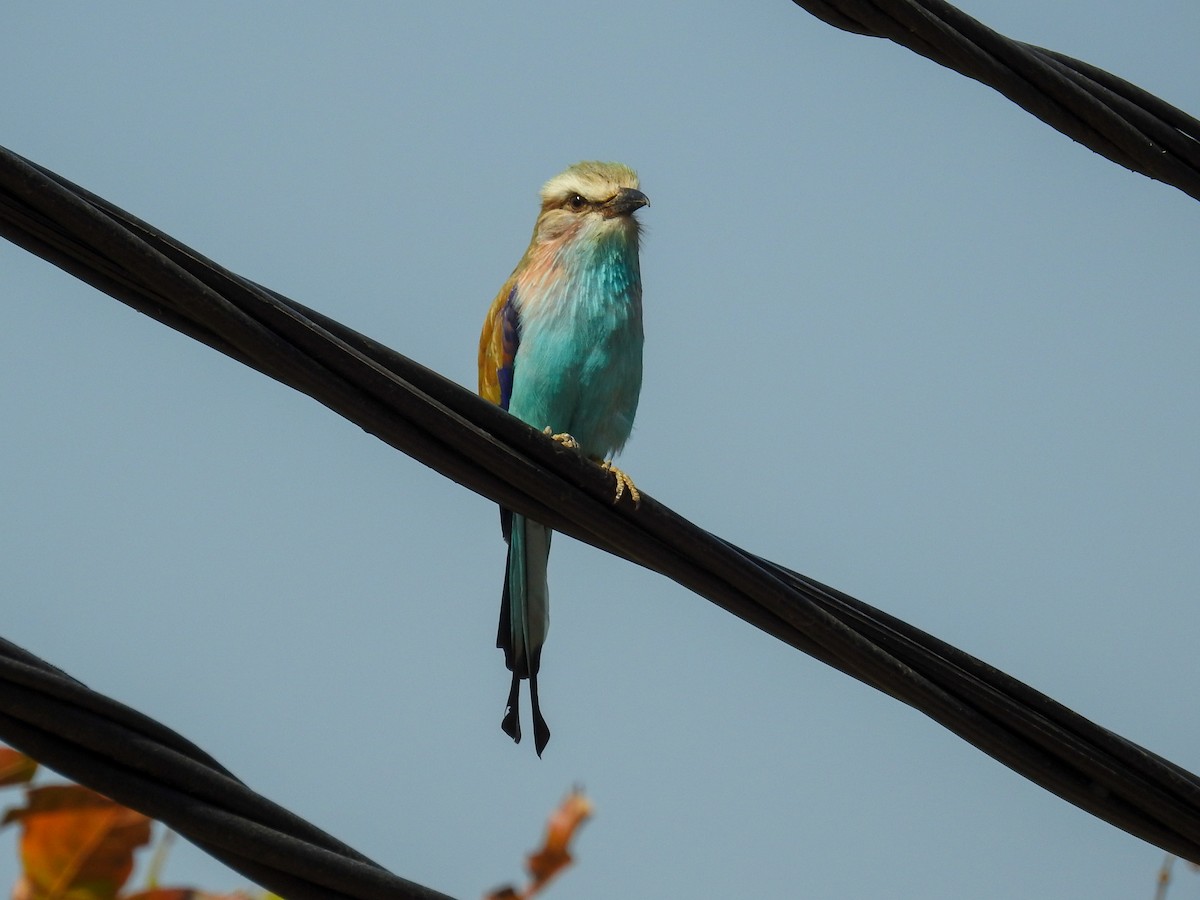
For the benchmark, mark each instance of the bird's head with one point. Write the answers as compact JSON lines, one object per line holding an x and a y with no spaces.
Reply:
{"x":590,"y":200}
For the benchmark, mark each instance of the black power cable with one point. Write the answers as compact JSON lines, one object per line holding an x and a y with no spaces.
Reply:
{"x":1117,"y":119}
{"x":138,"y":762}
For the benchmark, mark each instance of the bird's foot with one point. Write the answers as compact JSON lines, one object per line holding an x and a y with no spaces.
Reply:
{"x":623,"y":482}
{"x":565,"y":439}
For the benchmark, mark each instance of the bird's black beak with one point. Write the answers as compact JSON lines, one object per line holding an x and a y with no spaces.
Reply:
{"x":625,"y":202}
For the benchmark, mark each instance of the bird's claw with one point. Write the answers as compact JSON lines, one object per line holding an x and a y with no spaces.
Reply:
{"x":623,"y":482}
{"x":565,"y":439}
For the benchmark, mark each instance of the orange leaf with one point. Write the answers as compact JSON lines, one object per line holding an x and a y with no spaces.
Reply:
{"x":76,"y":844}
{"x":554,"y":856}
{"x":186,"y":894}
{"x":15,"y":768}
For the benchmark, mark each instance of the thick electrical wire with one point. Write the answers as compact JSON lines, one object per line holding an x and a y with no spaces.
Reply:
{"x":1118,"y":120}
{"x":140,"y":763}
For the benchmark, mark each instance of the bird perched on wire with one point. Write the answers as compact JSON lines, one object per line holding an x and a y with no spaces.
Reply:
{"x":561,"y":349}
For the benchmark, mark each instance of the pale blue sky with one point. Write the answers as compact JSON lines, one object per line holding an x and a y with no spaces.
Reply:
{"x":901,"y":336}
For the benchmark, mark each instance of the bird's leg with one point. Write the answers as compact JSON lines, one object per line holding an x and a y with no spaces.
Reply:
{"x":623,"y":482}
{"x":565,"y":439}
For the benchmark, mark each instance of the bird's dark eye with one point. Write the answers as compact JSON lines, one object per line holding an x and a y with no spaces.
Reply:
{"x":576,"y":202}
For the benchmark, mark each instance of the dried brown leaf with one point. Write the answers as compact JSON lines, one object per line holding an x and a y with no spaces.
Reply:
{"x":15,"y":767}
{"x":75,"y":843}
{"x":555,"y":855}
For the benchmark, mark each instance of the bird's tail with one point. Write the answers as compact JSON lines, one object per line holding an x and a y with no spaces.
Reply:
{"x":524,"y":619}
